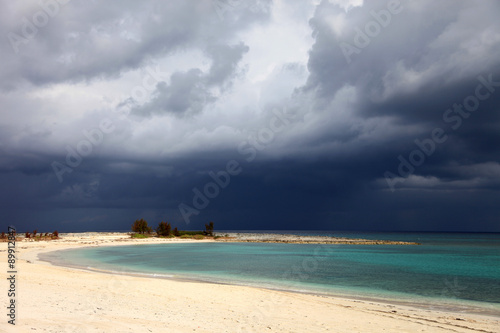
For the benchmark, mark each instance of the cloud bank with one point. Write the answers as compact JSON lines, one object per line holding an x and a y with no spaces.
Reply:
{"x":338,"y":115}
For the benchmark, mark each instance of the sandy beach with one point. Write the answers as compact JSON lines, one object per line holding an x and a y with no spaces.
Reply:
{"x":60,"y":299}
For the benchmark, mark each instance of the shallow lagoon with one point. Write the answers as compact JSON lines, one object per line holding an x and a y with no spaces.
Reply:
{"x":448,"y":270}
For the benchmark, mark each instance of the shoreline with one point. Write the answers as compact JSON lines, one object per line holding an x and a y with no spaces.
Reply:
{"x":236,"y":307}
{"x":244,"y":237}
{"x":424,"y":303}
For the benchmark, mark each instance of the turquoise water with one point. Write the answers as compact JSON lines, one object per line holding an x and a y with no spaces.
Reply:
{"x":452,"y":270}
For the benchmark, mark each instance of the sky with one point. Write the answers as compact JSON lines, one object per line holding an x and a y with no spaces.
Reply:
{"x":298,"y":115}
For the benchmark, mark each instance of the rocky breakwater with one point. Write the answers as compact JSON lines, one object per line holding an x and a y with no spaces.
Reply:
{"x":296,"y":239}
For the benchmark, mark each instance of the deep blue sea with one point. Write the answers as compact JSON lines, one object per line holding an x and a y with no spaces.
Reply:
{"x":459,"y":271}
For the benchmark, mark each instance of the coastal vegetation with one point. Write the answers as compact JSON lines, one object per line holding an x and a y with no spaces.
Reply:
{"x":34,"y":236}
{"x":135,"y":235}
{"x":141,"y":229}
{"x":209,"y":229}
{"x":141,"y":226}
{"x":164,"y":229}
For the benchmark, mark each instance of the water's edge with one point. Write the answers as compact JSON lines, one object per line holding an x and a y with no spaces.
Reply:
{"x":429,"y":304}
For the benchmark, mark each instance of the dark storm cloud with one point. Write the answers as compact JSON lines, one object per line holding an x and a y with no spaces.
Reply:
{"x":189,"y":92}
{"x":225,"y":58}
{"x":409,"y":72}
{"x":185,"y":94}
{"x":368,"y":100}
{"x":87,"y":40}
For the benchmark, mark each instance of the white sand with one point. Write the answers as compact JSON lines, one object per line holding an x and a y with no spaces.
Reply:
{"x":59,"y":299}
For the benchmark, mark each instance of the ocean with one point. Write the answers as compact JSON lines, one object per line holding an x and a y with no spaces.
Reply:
{"x":454,"y":271}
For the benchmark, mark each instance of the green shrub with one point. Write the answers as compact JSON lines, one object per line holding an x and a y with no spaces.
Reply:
{"x":193,"y":236}
{"x":190,"y":233}
{"x":139,"y":236}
